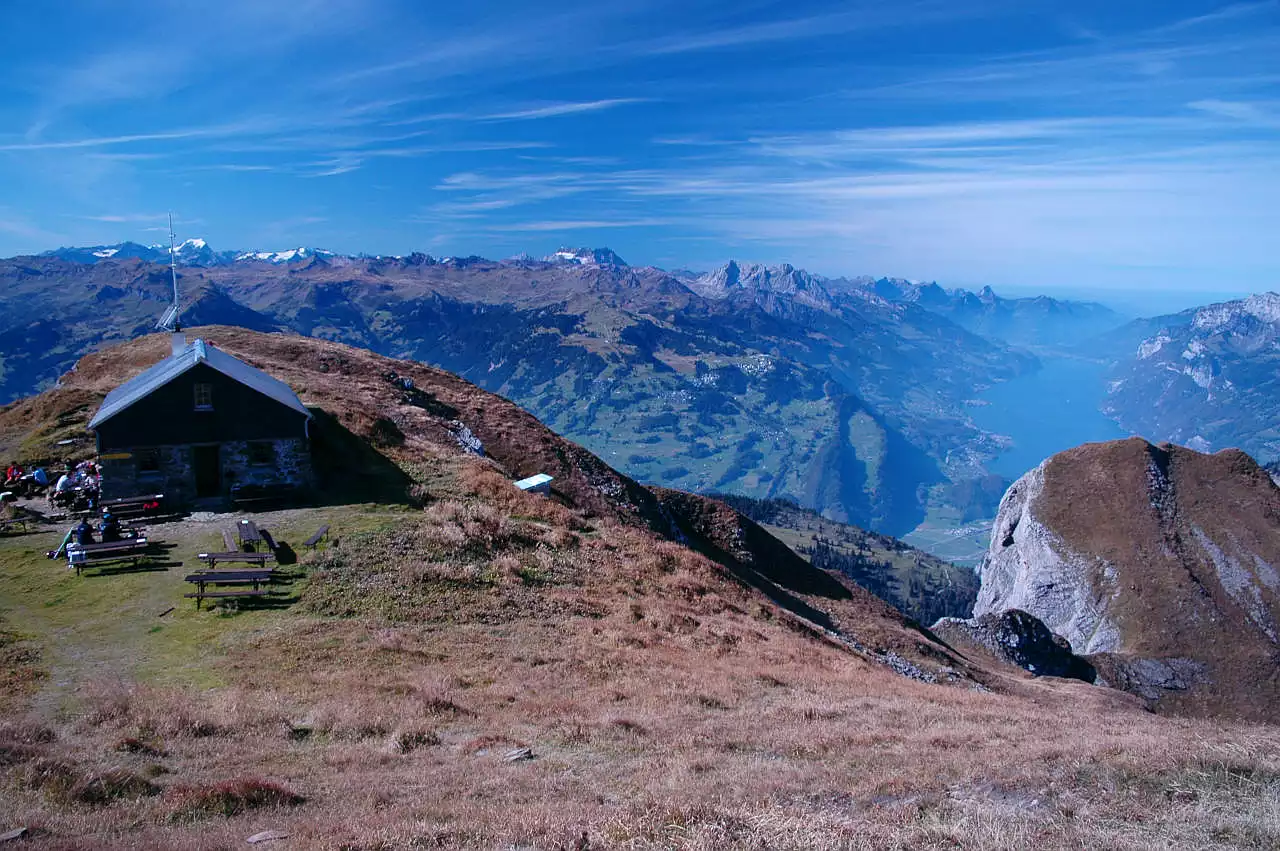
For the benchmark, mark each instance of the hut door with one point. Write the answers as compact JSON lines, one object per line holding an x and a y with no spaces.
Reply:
{"x":208,"y":470}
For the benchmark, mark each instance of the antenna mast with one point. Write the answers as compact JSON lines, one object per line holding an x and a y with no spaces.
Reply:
{"x":169,"y":322}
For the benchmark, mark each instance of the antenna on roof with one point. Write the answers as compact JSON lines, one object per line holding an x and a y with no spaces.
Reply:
{"x":169,"y":322}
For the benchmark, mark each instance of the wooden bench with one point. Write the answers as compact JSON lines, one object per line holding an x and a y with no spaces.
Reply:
{"x":316,"y":538}
{"x":228,"y":540}
{"x":255,"y":579}
{"x":80,"y":556}
{"x":133,"y":506}
{"x":12,"y":523}
{"x":262,"y":496}
{"x":233,"y":557}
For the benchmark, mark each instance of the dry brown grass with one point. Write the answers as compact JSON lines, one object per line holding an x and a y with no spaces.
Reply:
{"x":20,"y":668}
{"x":229,"y":798}
{"x":662,"y":709}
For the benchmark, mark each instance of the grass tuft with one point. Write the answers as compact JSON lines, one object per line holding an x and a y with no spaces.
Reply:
{"x":229,"y":798}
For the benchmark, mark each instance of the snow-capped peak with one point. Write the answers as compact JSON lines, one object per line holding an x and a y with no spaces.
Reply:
{"x":287,"y":256}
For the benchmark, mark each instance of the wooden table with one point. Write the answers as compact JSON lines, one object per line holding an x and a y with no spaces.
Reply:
{"x":253,"y":579}
{"x":81,"y":556}
{"x":250,"y":537}
{"x":234,"y":556}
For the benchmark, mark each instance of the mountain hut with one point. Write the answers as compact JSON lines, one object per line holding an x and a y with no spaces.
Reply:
{"x":201,"y":427}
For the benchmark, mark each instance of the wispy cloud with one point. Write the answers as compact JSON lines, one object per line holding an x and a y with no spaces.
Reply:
{"x":116,"y":218}
{"x":585,"y":224}
{"x":935,"y":135}
{"x":558,"y":109}
{"x":809,"y":27}
{"x":212,"y":131}
{"x":1257,"y":114}
{"x":1231,"y":12}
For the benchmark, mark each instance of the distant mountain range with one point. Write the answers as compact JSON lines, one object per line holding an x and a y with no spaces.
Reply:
{"x":1208,"y":377}
{"x":850,"y":396}
{"x":190,"y":252}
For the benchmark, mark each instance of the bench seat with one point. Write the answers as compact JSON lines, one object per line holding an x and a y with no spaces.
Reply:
{"x":244,"y":592}
{"x":246,"y":558}
{"x":317,"y":537}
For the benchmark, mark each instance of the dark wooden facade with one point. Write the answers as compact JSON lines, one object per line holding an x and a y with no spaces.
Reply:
{"x":168,"y":415}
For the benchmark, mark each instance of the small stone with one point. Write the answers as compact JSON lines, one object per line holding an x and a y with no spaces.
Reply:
{"x":518,"y":754}
{"x":267,"y":836}
{"x":10,"y":835}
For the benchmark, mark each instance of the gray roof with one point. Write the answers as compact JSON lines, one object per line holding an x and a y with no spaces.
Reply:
{"x":197,"y":352}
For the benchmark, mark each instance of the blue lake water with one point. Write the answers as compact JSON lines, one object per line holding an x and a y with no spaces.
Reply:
{"x":1048,"y":411}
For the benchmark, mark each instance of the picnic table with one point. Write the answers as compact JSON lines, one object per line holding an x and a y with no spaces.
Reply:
{"x":234,"y":556}
{"x":247,"y":583}
{"x":250,"y":537}
{"x":80,"y":556}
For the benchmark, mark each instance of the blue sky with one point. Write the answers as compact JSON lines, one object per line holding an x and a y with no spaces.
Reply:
{"x":1013,"y":142}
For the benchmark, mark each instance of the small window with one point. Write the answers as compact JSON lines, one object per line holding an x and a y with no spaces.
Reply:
{"x":262,"y":453}
{"x":147,"y":460}
{"x":204,"y":397}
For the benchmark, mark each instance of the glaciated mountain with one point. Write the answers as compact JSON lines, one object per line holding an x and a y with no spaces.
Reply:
{"x":1159,"y":565}
{"x":189,"y":252}
{"x":1207,"y":377}
{"x":287,"y":256}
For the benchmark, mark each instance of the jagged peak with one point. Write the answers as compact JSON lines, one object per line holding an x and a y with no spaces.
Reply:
{"x":587,"y":257}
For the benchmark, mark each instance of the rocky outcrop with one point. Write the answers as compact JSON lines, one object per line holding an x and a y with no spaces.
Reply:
{"x":1020,"y":639}
{"x":1030,"y":568}
{"x":1159,"y":565}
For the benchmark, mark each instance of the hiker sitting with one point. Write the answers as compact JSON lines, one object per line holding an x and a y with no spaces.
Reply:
{"x":110,"y":528}
{"x":12,"y":475}
{"x":81,"y":533}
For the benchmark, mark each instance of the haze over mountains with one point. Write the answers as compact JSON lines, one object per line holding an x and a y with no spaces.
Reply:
{"x":855,"y":397}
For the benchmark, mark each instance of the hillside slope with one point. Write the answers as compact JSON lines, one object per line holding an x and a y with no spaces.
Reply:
{"x":373,"y":410}
{"x":918,"y":584}
{"x":1157,"y":563}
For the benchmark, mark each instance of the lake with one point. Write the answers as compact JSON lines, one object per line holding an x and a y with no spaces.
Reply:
{"x":1050,"y":410}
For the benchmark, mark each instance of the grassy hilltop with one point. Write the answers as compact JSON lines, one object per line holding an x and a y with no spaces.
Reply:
{"x":466,"y":666}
